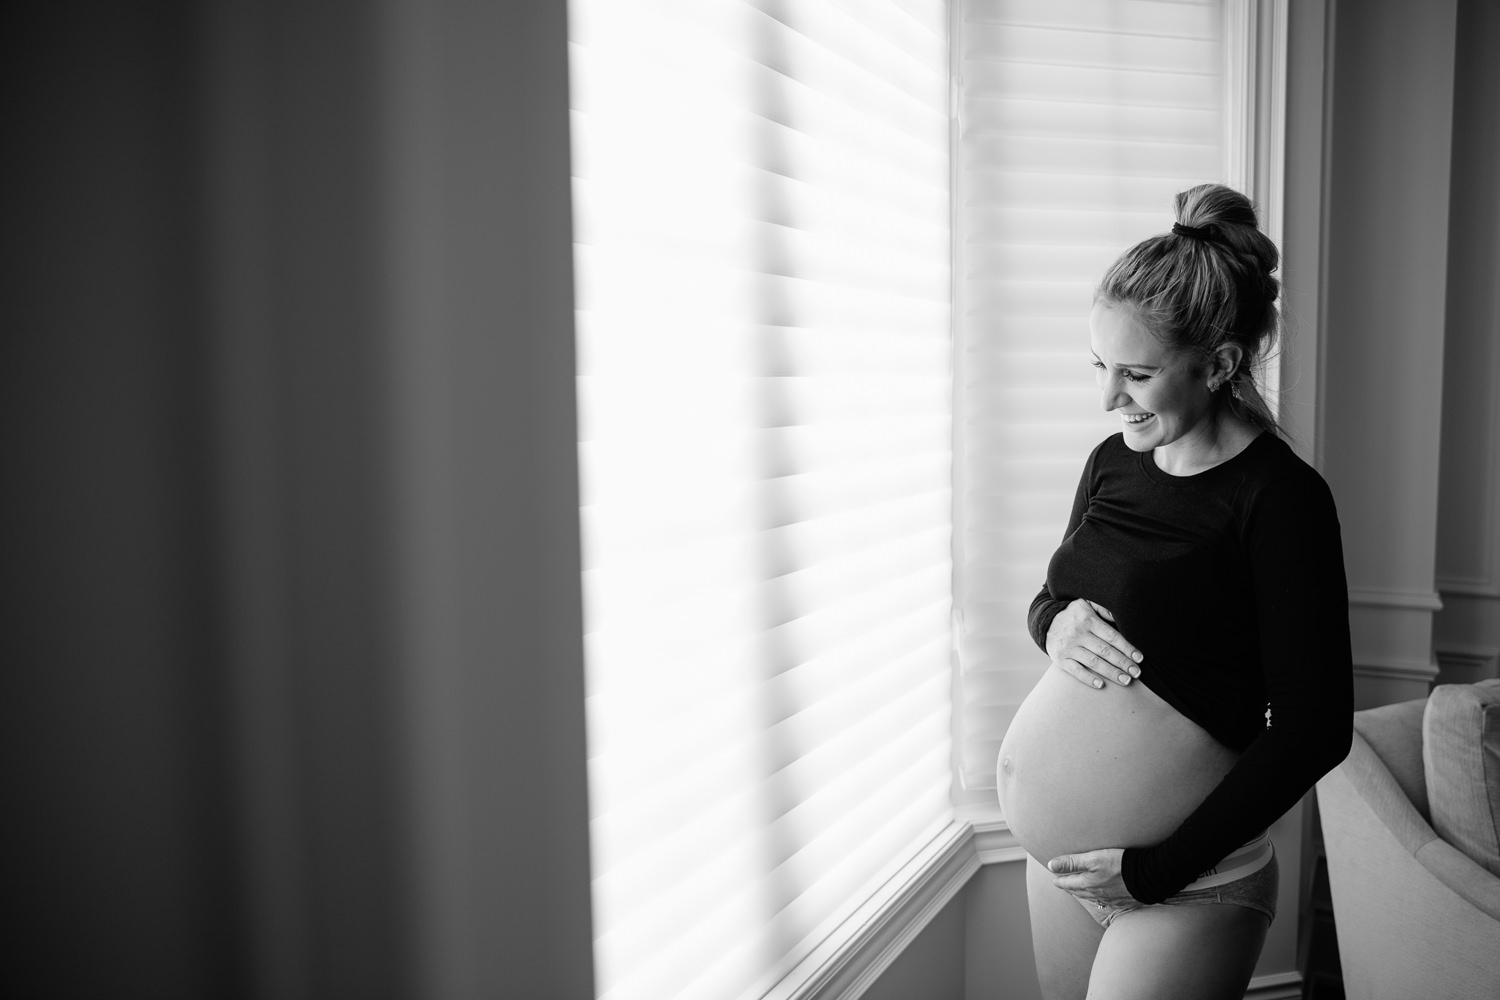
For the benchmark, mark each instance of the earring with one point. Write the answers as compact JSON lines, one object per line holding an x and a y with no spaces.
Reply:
{"x":1214,"y":386}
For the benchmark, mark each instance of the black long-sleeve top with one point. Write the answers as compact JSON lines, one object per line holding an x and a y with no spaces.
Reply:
{"x":1231,"y":584}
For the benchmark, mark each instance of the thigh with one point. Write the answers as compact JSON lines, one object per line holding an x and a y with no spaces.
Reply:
{"x":1190,"y":952}
{"x":1064,"y":938}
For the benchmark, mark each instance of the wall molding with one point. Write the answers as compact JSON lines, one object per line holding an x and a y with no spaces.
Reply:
{"x":1240,"y":92}
{"x":1255,"y":40}
{"x":1468,"y":587}
{"x":1395,"y":669}
{"x":1478,"y":662}
{"x":1305,"y":220}
{"x":993,"y":841}
{"x":1255,"y":102}
{"x":1412,"y":600}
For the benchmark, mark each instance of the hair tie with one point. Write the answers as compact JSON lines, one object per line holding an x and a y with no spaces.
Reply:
{"x":1190,"y":231}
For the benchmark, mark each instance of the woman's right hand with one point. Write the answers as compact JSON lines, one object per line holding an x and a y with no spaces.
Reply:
{"x":1083,"y":642}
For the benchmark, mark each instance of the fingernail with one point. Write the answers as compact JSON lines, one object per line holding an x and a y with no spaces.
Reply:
{"x":1137,"y":657}
{"x":1098,"y":683}
{"x":1135,"y":671}
{"x":1124,"y":678}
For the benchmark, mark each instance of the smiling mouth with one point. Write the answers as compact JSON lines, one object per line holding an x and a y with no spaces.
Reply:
{"x":1136,"y":418}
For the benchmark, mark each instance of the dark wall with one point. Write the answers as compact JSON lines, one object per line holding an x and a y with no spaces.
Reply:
{"x":292,"y":645}
{"x":120,"y":877}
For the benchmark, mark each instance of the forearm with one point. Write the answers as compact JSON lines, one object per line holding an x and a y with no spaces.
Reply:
{"x":1039,"y":618}
{"x":1270,"y":778}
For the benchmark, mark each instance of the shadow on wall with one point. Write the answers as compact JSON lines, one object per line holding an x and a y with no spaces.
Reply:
{"x":227,"y":685}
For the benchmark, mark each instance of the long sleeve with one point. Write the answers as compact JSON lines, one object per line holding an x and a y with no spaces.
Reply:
{"x":1292,"y":543}
{"x":1044,"y":607}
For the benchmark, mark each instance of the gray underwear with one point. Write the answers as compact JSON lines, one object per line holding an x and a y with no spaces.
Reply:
{"x":1248,"y":877}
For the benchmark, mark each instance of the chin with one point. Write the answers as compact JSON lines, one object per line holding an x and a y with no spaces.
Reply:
{"x":1141,"y":442}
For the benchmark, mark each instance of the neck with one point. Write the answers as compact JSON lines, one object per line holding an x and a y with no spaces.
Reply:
{"x":1215,"y":441}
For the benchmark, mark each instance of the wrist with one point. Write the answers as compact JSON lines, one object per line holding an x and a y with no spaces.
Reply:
{"x":1132,"y":876}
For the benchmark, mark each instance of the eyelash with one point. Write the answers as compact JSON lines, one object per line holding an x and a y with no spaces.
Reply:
{"x":1128,"y":376}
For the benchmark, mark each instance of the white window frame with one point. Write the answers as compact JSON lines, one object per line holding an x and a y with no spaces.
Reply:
{"x":849,"y":962}
{"x":1255,"y":38}
{"x":1256,"y":33}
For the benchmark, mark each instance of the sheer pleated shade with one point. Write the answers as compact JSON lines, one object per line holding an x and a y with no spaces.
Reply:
{"x":1078,"y":122}
{"x":762,"y":248}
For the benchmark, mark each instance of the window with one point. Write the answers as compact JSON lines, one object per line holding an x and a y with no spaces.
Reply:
{"x":1078,"y":122}
{"x":762,"y":244}
{"x":772,"y":350}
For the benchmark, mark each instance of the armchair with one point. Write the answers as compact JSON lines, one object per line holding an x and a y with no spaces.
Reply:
{"x":1411,"y":828}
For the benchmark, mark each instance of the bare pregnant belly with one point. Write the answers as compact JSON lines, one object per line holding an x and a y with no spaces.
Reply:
{"x":1084,"y":769}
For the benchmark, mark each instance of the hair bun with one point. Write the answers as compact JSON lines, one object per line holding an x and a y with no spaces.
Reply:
{"x":1230,"y":220}
{"x":1215,"y":205}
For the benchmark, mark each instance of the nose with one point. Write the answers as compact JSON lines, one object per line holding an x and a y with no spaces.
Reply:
{"x":1112,"y":391}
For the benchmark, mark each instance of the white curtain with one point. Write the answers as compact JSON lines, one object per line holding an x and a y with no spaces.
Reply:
{"x":765,"y":391}
{"x":1078,"y":122}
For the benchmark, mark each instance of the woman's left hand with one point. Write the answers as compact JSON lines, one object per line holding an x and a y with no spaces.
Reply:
{"x":1093,"y":876}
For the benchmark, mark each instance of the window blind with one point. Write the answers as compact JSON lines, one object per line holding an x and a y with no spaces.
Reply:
{"x":762,"y":247}
{"x":1078,"y":122}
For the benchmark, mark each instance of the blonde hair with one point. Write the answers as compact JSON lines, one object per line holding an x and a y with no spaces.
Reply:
{"x":1206,"y":284}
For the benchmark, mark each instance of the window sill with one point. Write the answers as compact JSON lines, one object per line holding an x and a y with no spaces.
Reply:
{"x":993,"y":841}
{"x":845,"y":965}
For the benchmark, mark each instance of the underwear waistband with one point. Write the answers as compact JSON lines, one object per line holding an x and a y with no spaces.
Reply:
{"x":1243,"y":861}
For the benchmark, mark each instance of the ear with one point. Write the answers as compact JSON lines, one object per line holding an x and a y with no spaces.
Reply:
{"x":1226,"y":362}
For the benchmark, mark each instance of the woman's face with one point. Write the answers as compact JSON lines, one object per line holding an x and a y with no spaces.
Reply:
{"x":1161,"y":395}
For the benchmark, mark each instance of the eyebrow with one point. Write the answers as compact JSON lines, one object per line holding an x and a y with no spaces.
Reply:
{"x":1151,"y":368}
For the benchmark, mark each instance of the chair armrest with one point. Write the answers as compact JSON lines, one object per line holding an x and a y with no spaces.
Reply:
{"x":1394,"y":732}
{"x":1413,"y":917}
{"x":1383,"y":796}
{"x":1463,"y":875}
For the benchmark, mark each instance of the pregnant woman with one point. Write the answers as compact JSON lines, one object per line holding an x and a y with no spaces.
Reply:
{"x":1197,"y":620}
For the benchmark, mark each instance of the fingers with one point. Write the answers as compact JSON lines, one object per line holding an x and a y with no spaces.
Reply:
{"x":1084,"y":644}
{"x":1110,"y":645}
{"x":1092,"y":875}
{"x":1109,"y":660}
{"x":1078,"y":671}
{"x":1091,"y":669}
{"x":1114,"y":638}
{"x":1071,"y":873}
{"x":1090,"y":660}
